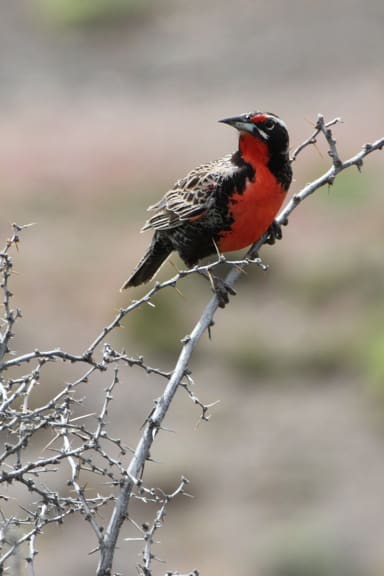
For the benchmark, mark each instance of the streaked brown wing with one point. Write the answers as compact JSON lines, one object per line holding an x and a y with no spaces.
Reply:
{"x":190,"y":197}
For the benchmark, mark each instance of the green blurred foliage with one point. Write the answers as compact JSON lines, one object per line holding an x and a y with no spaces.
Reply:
{"x":310,"y":552}
{"x":88,"y":12}
{"x":322,"y":359}
{"x":158,"y":330}
{"x":331,"y":280}
{"x":372,"y":353}
{"x":350,"y":189}
{"x":307,"y":562}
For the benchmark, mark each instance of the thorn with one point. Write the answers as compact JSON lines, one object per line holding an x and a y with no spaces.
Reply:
{"x":242,"y":270}
{"x":165,"y":429}
{"x":172,"y":263}
{"x":179,"y":292}
{"x":316,"y":147}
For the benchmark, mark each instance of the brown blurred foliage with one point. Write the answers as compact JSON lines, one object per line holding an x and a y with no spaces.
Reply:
{"x":98,"y":116}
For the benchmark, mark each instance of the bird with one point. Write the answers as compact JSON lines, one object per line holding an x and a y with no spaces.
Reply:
{"x":224,"y":205}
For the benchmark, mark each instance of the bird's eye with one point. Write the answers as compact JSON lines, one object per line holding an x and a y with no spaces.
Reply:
{"x":269,"y":124}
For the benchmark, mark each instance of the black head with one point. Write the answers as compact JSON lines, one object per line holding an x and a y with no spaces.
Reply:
{"x":263,"y":125}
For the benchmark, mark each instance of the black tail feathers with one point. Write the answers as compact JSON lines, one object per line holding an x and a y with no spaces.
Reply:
{"x":158,"y":251}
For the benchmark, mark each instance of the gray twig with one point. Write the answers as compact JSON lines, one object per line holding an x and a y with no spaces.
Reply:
{"x":136,"y":466}
{"x":81,"y":444}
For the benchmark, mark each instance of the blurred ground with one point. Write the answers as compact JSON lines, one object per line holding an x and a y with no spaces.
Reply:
{"x":99,"y":113}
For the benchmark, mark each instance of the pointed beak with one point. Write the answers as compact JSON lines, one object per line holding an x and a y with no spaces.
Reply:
{"x":239,"y":122}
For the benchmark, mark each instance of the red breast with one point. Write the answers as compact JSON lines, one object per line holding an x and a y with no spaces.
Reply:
{"x":254,"y":210}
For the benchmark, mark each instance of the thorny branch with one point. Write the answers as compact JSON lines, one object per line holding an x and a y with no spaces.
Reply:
{"x":81,"y":445}
{"x":149,"y":530}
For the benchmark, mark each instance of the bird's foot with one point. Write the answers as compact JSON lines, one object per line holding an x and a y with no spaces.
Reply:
{"x":219,"y":287}
{"x":274,"y":233}
{"x":222,"y":289}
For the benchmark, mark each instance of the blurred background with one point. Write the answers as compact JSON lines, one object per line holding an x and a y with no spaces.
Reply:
{"x":103,"y":105}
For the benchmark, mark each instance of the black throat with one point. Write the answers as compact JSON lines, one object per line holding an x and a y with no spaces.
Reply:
{"x":280,"y":166}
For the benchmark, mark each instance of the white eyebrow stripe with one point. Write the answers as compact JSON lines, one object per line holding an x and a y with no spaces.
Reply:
{"x":263,"y":134}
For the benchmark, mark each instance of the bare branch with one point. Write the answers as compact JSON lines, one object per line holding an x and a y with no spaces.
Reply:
{"x":156,"y":417}
{"x":79,"y":443}
{"x":149,"y":530}
{"x":313,"y":138}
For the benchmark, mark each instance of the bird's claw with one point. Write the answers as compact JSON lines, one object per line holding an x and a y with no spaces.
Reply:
{"x":274,"y":233}
{"x":219,"y":287}
{"x":222,"y":290}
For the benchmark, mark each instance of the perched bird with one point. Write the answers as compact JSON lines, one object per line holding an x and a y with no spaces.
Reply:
{"x":225,"y":205}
